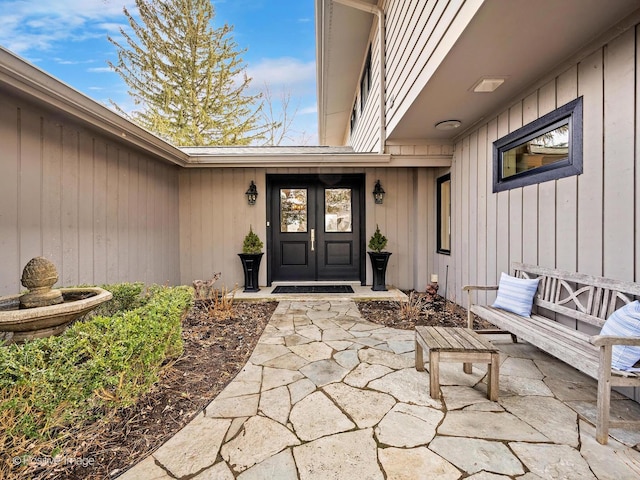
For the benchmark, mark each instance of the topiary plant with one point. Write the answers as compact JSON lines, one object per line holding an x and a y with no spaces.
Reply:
{"x":377,"y":241}
{"x":252,"y":243}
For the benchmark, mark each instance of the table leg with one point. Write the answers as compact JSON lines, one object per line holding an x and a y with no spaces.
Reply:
{"x":419,"y":357}
{"x":434,"y":374}
{"x":493,"y":380}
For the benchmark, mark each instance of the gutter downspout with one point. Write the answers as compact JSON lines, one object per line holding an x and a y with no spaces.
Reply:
{"x":376,"y":10}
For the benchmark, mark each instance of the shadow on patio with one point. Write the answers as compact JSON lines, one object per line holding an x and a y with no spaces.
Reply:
{"x":328,"y":395}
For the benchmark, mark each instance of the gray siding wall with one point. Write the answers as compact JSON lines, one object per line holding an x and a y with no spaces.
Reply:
{"x":585,"y":223}
{"x":99,"y":210}
{"x":215,"y":217}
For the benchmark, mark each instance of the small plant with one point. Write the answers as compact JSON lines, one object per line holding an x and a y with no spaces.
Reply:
{"x":378,"y":242}
{"x":252,"y":243}
{"x":221,"y":303}
{"x":412,"y":309}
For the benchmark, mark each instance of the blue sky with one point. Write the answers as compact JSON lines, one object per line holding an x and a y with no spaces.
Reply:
{"x":68,"y":39}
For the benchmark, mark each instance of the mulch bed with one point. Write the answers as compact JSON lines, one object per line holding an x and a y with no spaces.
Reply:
{"x":215,"y":350}
{"x":427,"y":310}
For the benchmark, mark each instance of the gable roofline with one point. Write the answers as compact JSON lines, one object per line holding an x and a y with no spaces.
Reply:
{"x":24,"y":80}
{"x":21,"y":78}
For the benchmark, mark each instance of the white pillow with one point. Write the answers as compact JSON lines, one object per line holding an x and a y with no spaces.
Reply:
{"x":516,"y":294}
{"x":624,"y":322}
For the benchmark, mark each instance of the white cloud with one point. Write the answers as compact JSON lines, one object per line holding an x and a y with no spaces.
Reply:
{"x":112,"y":27}
{"x":311,"y":110}
{"x":29,"y":26}
{"x":99,"y":69}
{"x":294,"y":75}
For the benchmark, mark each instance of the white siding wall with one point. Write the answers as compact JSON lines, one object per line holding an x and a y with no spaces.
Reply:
{"x":585,"y":223}
{"x":100,"y":211}
{"x":365,"y":136}
{"x":215,"y":217}
{"x":419,"y":33}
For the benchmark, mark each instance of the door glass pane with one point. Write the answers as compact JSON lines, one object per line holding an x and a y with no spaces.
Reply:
{"x":337,"y":210}
{"x":293,"y":210}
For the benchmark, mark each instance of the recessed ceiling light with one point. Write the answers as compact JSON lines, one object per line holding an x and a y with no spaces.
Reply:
{"x":448,"y":125}
{"x":488,"y":84}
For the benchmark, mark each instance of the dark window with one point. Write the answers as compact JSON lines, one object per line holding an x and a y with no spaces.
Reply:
{"x":354,"y":116}
{"x":365,"y":81}
{"x":444,"y":214}
{"x":546,"y":149}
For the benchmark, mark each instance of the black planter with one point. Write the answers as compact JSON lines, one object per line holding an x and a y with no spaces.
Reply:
{"x":251,"y":267}
{"x":379,"y":264}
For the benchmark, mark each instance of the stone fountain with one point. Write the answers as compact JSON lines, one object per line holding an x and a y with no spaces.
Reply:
{"x":43,"y":310}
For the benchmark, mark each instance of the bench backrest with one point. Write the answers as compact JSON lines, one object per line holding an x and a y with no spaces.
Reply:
{"x":583,"y":297}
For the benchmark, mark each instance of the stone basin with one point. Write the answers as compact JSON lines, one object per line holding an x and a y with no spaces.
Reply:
{"x":30,"y":323}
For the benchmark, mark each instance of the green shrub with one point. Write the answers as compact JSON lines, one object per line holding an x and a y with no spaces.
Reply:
{"x":252,"y":242}
{"x":377,"y":242}
{"x":126,"y":296}
{"x":51,"y":383}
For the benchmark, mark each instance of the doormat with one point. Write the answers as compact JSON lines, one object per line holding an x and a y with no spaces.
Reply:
{"x":313,"y":289}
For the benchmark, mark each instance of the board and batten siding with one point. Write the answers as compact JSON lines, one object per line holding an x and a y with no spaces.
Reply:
{"x":586,"y":223}
{"x":215,"y":217}
{"x":101,"y":211}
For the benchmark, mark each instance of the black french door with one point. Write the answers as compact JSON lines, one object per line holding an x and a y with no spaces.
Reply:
{"x":314,"y":227}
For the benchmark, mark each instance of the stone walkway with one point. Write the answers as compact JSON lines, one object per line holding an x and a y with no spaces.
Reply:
{"x":327,"y":395}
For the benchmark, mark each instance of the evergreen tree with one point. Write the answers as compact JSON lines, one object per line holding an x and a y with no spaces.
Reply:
{"x":186,"y":78}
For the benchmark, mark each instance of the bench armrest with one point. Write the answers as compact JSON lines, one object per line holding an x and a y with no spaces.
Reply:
{"x":601,"y":340}
{"x":469,"y":289}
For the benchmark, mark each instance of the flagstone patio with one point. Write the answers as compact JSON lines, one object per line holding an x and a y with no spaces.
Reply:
{"x":327,"y":395}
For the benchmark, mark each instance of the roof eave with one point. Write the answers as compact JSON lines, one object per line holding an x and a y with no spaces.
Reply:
{"x":319,"y":160}
{"x":29,"y":81}
{"x":320,"y":72}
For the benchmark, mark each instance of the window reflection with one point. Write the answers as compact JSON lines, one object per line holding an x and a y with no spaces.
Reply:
{"x":293,"y":210}
{"x":444,"y":214}
{"x":337,"y":210}
{"x":546,"y":149}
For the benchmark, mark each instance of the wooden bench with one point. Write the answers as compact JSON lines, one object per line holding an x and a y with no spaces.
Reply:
{"x":577,"y":300}
{"x":450,"y":344}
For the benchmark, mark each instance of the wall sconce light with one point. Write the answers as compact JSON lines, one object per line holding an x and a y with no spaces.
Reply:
{"x":378,"y":192}
{"x":252,"y":193}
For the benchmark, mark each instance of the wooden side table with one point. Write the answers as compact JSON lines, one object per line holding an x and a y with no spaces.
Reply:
{"x":452,"y":345}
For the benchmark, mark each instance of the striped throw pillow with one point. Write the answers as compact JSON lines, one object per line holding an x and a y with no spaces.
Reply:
{"x":624,"y":322}
{"x":516,"y":294}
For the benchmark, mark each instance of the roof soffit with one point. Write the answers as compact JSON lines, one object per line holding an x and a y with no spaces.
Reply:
{"x":519,"y":39}
{"x":342,"y":34}
{"x":530,"y":45}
